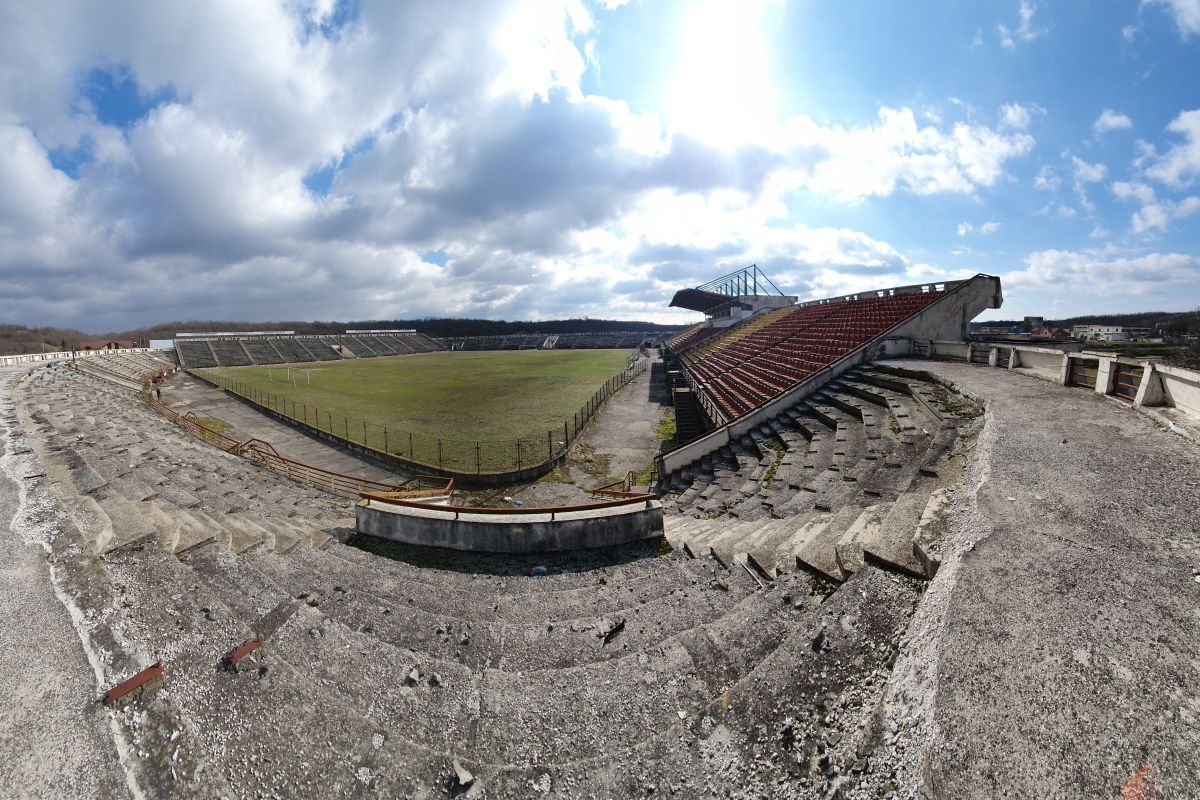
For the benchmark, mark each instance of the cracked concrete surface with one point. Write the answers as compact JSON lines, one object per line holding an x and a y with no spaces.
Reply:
{"x":1061,"y":653}
{"x":54,"y":735}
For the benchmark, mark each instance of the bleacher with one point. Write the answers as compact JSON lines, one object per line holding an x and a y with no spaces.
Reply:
{"x":614,"y":340}
{"x":231,"y":353}
{"x":748,"y":364}
{"x":260,"y":350}
{"x":321,"y":347}
{"x":240,"y":351}
{"x":195,"y":353}
{"x":292,"y":350}
{"x":691,"y":337}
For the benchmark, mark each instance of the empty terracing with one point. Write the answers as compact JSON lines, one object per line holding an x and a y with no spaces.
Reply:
{"x":622,"y":672}
{"x":795,"y":651}
{"x":843,"y":477}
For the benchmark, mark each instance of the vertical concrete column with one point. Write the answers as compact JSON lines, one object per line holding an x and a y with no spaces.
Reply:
{"x":1065,"y":371}
{"x":1106,"y":373}
{"x":993,"y":356}
{"x":1014,"y":358}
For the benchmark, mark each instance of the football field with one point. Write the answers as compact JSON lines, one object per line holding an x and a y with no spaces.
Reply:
{"x":438,"y":405}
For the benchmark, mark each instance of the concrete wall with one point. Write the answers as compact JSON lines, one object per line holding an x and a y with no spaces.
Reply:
{"x":950,"y":351}
{"x":535,"y":532}
{"x":1042,"y":362}
{"x":948,"y":319}
{"x":1180,"y":388}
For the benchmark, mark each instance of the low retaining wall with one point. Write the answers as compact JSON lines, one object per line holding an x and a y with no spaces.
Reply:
{"x":1178,"y":387}
{"x":1043,"y":362}
{"x":532,"y":532}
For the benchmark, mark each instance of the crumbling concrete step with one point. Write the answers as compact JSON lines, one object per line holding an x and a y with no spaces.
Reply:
{"x":288,"y":706}
{"x":131,"y":522}
{"x":885,"y":534}
{"x":193,"y":531}
{"x":819,"y":551}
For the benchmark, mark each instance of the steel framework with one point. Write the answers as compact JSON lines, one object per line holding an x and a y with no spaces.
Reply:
{"x":744,"y":281}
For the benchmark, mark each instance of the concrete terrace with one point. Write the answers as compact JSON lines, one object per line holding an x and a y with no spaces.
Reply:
{"x":799,"y":653}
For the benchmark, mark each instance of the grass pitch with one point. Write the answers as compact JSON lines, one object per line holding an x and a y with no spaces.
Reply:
{"x":491,"y":397}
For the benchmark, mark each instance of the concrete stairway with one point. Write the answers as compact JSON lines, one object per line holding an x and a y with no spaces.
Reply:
{"x":399,"y":675}
{"x":845,"y":477}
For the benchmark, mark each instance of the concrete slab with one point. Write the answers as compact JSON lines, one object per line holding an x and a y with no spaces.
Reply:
{"x":1055,"y":653}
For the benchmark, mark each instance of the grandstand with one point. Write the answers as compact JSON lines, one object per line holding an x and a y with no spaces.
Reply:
{"x":887,"y":579}
{"x":616,"y":340}
{"x":245,"y":349}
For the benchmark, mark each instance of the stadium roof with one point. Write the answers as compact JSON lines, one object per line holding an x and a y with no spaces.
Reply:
{"x":698,"y":300}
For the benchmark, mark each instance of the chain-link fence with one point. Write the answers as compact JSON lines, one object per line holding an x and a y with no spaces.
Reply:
{"x":443,"y":453}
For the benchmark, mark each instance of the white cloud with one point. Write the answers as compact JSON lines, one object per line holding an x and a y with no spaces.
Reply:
{"x":1046,"y":180}
{"x":1181,"y":163}
{"x":898,"y":153}
{"x":1158,"y":215}
{"x":1107,"y":272}
{"x":1086,"y":173}
{"x":1017,"y":116}
{"x":1186,"y":14}
{"x":1025,"y":31}
{"x":986,"y":229}
{"x":1110,"y":120}
{"x":1127,"y":190}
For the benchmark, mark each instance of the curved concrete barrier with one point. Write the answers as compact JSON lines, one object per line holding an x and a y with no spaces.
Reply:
{"x":533,"y":531}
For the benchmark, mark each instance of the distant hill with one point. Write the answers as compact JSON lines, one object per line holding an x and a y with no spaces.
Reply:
{"x":1172,"y":323}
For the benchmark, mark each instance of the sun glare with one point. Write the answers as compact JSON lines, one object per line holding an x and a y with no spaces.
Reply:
{"x":722,"y":89}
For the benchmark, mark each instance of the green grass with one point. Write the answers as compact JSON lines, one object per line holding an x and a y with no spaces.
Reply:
{"x":494,"y":398}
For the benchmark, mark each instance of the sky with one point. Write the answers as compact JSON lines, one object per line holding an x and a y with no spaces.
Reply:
{"x":541,"y":159}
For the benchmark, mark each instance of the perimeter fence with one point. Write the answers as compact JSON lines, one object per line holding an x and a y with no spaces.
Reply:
{"x":449,"y":454}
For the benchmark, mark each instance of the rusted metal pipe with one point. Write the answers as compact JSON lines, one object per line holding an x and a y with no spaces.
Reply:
{"x":139,"y":680}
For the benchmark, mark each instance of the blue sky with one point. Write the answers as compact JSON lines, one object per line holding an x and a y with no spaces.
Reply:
{"x":315,"y":159}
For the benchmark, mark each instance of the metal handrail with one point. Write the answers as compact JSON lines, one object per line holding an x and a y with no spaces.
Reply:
{"x":264,"y":454}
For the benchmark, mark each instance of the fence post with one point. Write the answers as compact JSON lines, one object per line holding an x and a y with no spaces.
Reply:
{"x":439,"y":453}
{"x":549,"y":444}
{"x":346,"y":428}
{"x":478,"y":460}
{"x":518,"y":453}
{"x":410,"y":447}
{"x":566,"y":438}
{"x":329,"y":419}
{"x":306,"y":413}
{"x":385,"y":441}
{"x":364,"y":433}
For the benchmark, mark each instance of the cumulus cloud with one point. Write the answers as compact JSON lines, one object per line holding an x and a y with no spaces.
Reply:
{"x":1186,"y":14}
{"x":1017,"y":116}
{"x":1110,"y":120}
{"x":1107,"y":272}
{"x":295,"y":159}
{"x":1025,"y":31}
{"x":900,"y":153}
{"x":1179,"y":165}
{"x":986,"y":229}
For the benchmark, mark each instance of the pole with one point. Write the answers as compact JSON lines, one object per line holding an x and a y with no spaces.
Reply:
{"x":385,"y":441}
{"x":410,"y":447}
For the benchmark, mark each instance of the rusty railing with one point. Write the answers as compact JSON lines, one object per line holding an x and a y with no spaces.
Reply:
{"x":266,"y":456}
